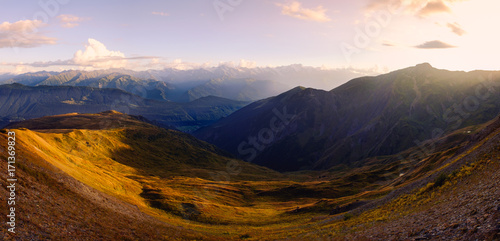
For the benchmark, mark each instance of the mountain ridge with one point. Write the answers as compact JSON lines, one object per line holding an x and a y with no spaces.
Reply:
{"x":365,"y":117}
{"x":21,"y":102}
{"x":244,"y":84}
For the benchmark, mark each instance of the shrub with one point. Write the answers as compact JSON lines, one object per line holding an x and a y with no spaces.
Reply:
{"x":348,"y":216}
{"x":245,"y":236}
{"x":441,"y":180}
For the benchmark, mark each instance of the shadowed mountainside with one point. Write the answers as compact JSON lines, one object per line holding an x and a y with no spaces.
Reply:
{"x":19,"y":102}
{"x":236,"y":89}
{"x":366,"y":117}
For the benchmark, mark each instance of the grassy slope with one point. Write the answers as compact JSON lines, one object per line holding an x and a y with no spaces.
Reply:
{"x":51,"y":205}
{"x":171,"y":190}
{"x":166,"y":174}
{"x":456,"y":199}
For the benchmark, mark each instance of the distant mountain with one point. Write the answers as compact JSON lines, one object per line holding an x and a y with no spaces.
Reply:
{"x":236,"y":89}
{"x":146,"y":88}
{"x":290,"y":76}
{"x":245,"y":84}
{"x":19,"y":102}
{"x":5,"y":77}
{"x":366,"y":117}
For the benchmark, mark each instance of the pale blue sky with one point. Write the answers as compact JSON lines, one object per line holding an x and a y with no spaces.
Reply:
{"x":450,"y":34}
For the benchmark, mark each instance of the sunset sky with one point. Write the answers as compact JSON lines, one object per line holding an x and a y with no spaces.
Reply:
{"x":365,"y":34}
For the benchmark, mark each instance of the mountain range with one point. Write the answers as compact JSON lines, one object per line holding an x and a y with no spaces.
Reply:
{"x":243,"y":84}
{"x":20,"y":102}
{"x":309,"y":129}
{"x":146,"y":88}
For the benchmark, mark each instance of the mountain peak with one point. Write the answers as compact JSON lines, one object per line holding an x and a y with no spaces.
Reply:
{"x":299,"y":88}
{"x":293,"y":91}
{"x":424,"y":66}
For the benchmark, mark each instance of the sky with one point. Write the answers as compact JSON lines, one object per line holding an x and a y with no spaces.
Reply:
{"x":383,"y":35}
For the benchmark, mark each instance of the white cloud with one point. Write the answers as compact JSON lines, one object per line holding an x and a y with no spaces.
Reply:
{"x":98,"y":56}
{"x":434,"y":7}
{"x":95,"y":55}
{"x":295,"y":9}
{"x":69,"y":21}
{"x":388,"y":44}
{"x":456,"y":28}
{"x":24,"y":34}
{"x":435,"y":44}
{"x":420,"y":8}
{"x":181,"y":65}
{"x":20,"y":69}
{"x":161,"y":14}
{"x":158,"y":63}
{"x":247,"y":64}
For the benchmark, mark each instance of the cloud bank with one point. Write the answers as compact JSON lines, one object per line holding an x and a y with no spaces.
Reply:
{"x":419,"y":8}
{"x":24,"y":34}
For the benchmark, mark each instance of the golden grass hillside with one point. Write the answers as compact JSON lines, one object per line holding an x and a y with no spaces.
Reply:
{"x":182,"y":188}
{"x":170,"y":175}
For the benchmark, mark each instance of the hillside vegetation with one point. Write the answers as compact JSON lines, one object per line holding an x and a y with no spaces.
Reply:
{"x":158,"y":184}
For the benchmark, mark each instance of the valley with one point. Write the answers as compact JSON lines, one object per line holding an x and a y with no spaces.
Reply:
{"x":136,"y":168}
{"x":20,"y":102}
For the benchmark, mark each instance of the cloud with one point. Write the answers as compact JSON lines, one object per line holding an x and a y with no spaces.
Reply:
{"x":388,"y":44}
{"x":295,"y":9}
{"x":95,"y":55}
{"x":181,"y":65}
{"x":456,"y":28}
{"x":419,"y":8}
{"x":24,"y":34}
{"x":434,"y":7}
{"x":161,"y":14}
{"x":436,"y":44}
{"x":247,"y":64}
{"x":69,"y":21}
{"x":19,"y":69}
{"x":98,"y":56}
